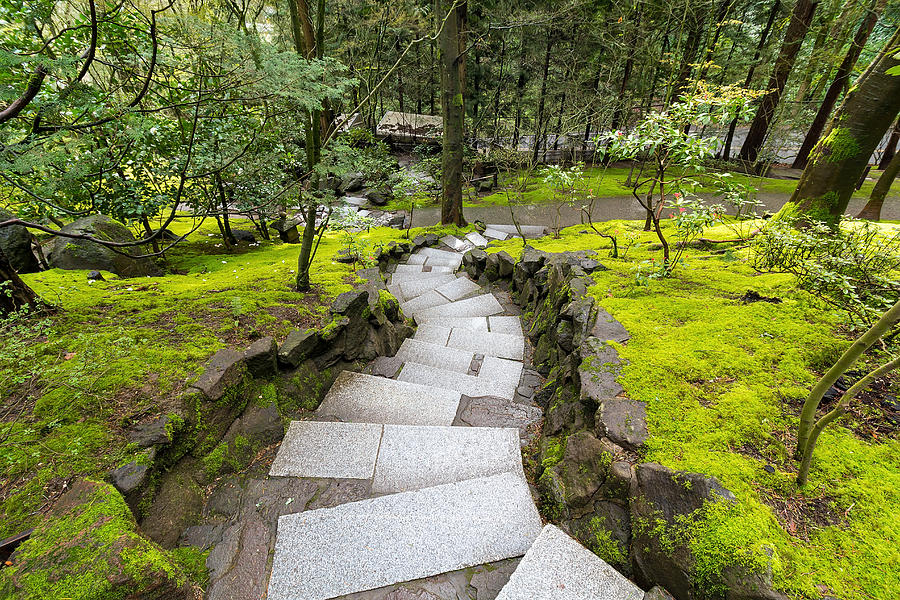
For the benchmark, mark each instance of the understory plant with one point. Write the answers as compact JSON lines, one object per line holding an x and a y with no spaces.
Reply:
{"x":854,"y":267}
{"x":564,"y":184}
{"x":351,"y":224}
{"x":671,"y":157}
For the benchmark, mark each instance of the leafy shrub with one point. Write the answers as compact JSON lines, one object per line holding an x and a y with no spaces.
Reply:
{"x":855,"y":267}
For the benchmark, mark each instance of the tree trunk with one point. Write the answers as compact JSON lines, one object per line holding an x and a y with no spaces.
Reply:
{"x":691,"y":48}
{"x":542,"y":98}
{"x":452,"y":59}
{"x":793,"y":40}
{"x":14,"y":293}
{"x":872,"y":209}
{"x":626,"y":72}
{"x":837,"y":87}
{"x":891,"y":149}
{"x":840,"y":157}
{"x":729,"y":138}
{"x":520,"y":92}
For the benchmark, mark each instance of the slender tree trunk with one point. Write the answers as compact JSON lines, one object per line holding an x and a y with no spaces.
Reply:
{"x":837,"y":87}
{"x":872,"y":209}
{"x":729,"y":138}
{"x":891,"y":149}
{"x":452,"y":57}
{"x":838,"y":160}
{"x":691,"y":48}
{"x":631,"y":44}
{"x":542,"y":98}
{"x":520,"y":92}
{"x":719,"y":25}
{"x":793,"y":41}
{"x":14,"y":293}
{"x":399,"y":76}
{"x":499,"y":89}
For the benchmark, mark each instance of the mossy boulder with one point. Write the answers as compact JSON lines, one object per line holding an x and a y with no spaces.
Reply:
{"x":89,"y":548}
{"x":15,"y":241}
{"x":72,"y":254}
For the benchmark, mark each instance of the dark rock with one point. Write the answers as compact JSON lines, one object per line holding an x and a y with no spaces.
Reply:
{"x":15,"y":241}
{"x":752,"y":296}
{"x":133,"y":478}
{"x":488,"y":411}
{"x":658,"y":593}
{"x":565,"y":336}
{"x":606,"y":531}
{"x":624,"y":421}
{"x":352,"y":302}
{"x":419,"y":241}
{"x":474,"y":262}
{"x":589,"y":265}
{"x":261,"y":357}
{"x":203,"y":537}
{"x":352,"y":182}
{"x":72,"y":254}
{"x":346,"y":256}
{"x":226,"y":368}
{"x":150,"y":434}
{"x":565,"y":416}
{"x":242,"y":236}
{"x":95,"y":276}
{"x":598,"y":374}
{"x":673,"y":497}
{"x":90,"y":545}
{"x":486,"y":185}
{"x":175,"y":507}
{"x":431,"y":239}
{"x":298,"y":346}
{"x":618,"y":484}
{"x":287,"y":229}
{"x":166,"y":235}
{"x":506,"y":264}
{"x":261,"y":424}
{"x":379,"y":197}
{"x":583,"y":469}
{"x":608,"y":329}
{"x":532,"y":260}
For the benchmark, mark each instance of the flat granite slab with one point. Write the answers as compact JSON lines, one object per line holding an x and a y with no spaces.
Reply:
{"x":433,"y":355}
{"x":322,"y":554}
{"x":527,"y":230}
{"x":501,"y":370}
{"x":438,"y":253}
{"x":433,"y":334}
{"x":460,"y":288}
{"x":557,"y":567}
{"x":400,"y":278}
{"x":476,"y":239}
{"x":417,"y":287}
{"x":507,"y":325}
{"x":361,"y":398}
{"x":470,"y":323}
{"x":427,"y":300}
{"x":326,"y":449}
{"x":468,"y":385}
{"x":500,"y":345}
{"x":484,"y":305}
{"x":456,"y":243}
{"x":495,"y":234}
{"x":412,"y":458}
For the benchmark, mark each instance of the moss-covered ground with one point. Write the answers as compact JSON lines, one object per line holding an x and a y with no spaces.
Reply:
{"x":723,"y":381}
{"x":121,"y":350}
{"x":611,"y":182}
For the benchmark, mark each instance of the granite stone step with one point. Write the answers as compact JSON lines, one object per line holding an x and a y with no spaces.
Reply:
{"x":433,"y":355}
{"x":438,"y":253}
{"x":422,"y":259}
{"x":470,"y":323}
{"x":495,"y":234}
{"x":556,"y":567}
{"x":433,"y":334}
{"x":402,"y":277}
{"x":527,"y":230}
{"x":507,"y":325}
{"x":397,"y":458}
{"x":469,"y":385}
{"x":484,"y":305}
{"x":361,"y":398}
{"x":500,"y":345}
{"x":456,"y":243}
{"x":325,"y":553}
{"x":504,"y":372}
{"x":406,"y":268}
{"x":476,"y":239}
{"x":458,"y":289}
{"x":429,"y":299}
{"x":417,"y":287}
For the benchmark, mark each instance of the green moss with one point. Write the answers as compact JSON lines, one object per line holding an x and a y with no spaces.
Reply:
{"x":601,"y":543}
{"x":552,"y":451}
{"x":228,"y":457}
{"x":77,"y":555}
{"x":838,"y":145}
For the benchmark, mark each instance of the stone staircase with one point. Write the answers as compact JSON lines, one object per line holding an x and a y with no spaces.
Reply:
{"x":438,"y":440}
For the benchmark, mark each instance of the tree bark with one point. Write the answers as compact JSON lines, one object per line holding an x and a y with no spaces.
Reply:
{"x":729,"y":138}
{"x":872,"y":209}
{"x":520,"y":91}
{"x":891,"y":149}
{"x":542,"y":98}
{"x":452,"y":59}
{"x":14,"y":293}
{"x":837,"y":87}
{"x":857,"y":128}
{"x":793,"y":40}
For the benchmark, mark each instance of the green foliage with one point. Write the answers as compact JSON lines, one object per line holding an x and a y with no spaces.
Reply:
{"x":854,"y":268}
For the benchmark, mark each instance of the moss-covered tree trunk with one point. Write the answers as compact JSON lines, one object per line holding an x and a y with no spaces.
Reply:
{"x":838,"y":160}
{"x":891,"y":149}
{"x":801,"y":17}
{"x":839,"y":84}
{"x":14,"y":293}
{"x":452,"y":46}
{"x":872,"y":209}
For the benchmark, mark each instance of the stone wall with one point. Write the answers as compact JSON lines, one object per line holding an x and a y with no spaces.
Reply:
{"x":588,"y":468}
{"x":240,"y":403}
